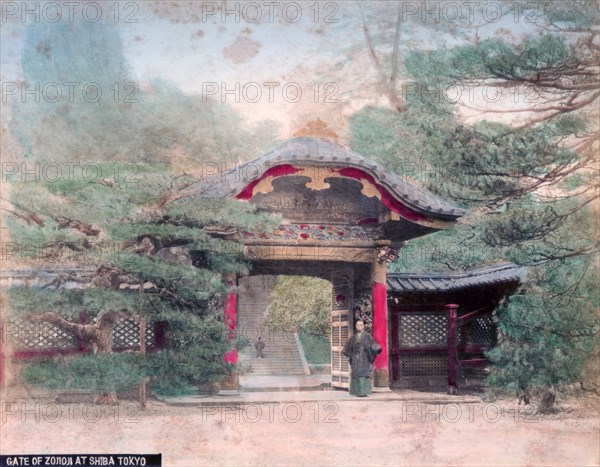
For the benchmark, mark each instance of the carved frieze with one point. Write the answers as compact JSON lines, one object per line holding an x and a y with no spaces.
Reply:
{"x":316,"y":232}
{"x":311,"y":253}
{"x":341,"y":202}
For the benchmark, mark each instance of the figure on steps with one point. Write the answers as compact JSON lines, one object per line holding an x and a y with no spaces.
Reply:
{"x":259,"y":346}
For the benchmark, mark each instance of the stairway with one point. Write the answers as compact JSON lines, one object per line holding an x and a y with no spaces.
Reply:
{"x":282,"y":357}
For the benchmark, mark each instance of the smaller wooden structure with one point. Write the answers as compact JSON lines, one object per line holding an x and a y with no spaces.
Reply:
{"x":442,"y":324}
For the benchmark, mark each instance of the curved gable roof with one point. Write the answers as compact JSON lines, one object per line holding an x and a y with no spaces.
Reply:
{"x":319,"y":152}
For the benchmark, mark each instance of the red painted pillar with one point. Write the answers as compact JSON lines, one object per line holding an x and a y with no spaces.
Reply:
{"x":380,"y":323}
{"x":231,"y":318}
{"x":231,"y":356}
{"x":452,"y":347}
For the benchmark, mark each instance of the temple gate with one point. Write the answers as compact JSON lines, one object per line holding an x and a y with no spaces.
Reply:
{"x":344,"y":218}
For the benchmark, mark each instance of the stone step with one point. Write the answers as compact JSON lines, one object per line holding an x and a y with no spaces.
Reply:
{"x":275,"y":356}
{"x":277,"y":374}
{"x":269,"y":360}
{"x":273,"y":365}
{"x":274,"y":348}
{"x":282,"y":356}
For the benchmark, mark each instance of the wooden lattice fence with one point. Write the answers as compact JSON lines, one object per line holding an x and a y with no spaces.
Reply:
{"x":430,"y":344}
{"x":29,"y":339}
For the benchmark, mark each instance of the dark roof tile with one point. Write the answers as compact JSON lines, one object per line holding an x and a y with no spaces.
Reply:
{"x":497,"y":274}
{"x":309,"y":149}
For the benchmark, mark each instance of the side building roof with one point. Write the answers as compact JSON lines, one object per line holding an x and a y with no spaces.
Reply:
{"x":505,"y":273}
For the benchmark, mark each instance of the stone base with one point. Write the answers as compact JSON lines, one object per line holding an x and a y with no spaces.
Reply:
{"x":381,"y":379}
{"x":382,"y":389}
{"x":231,"y":383}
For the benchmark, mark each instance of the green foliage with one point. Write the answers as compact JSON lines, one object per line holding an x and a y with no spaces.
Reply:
{"x":128,"y":166}
{"x":549,"y":329}
{"x":195,"y":343}
{"x":68,"y":303}
{"x":99,"y":373}
{"x":572,"y":14}
{"x":490,"y":162}
{"x":317,"y":349}
{"x":491,"y":57}
{"x":530,"y":197}
{"x":394,"y":139}
{"x":300,"y":301}
{"x":38,"y":242}
{"x":185,"y":282}
{"x":194,"y":353}
{"x":474,"y":165}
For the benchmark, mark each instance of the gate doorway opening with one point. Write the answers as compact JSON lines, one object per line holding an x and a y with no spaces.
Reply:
{"x":290,"y":315}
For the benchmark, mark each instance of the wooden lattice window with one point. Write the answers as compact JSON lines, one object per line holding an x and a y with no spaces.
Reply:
{"x":126,"y":333}
{"x":40,"y":336}
{"x":481,"y":331}
{"x":423,"y":329}
{"x":423,"y":365}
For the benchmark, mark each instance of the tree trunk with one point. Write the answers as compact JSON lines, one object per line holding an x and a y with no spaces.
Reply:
{"x":99,"y":335}
{"x":523,"y":395}
{"x":547,"y":403}
{"x":107,"y":398}
{"x":102,"y":338}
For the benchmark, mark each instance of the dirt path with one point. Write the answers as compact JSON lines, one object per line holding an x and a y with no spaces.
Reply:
{"x":320,"y":433}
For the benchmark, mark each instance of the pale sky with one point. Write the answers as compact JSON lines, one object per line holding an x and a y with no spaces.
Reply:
{"x":203,"y":52}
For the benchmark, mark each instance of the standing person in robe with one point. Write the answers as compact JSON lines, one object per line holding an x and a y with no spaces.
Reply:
{"x":361,"y":350}
{"x":259,"y":346}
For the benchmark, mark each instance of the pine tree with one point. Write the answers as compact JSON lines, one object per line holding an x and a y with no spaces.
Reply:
{"x":531,"y":185}
{"x":129,"y":209}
